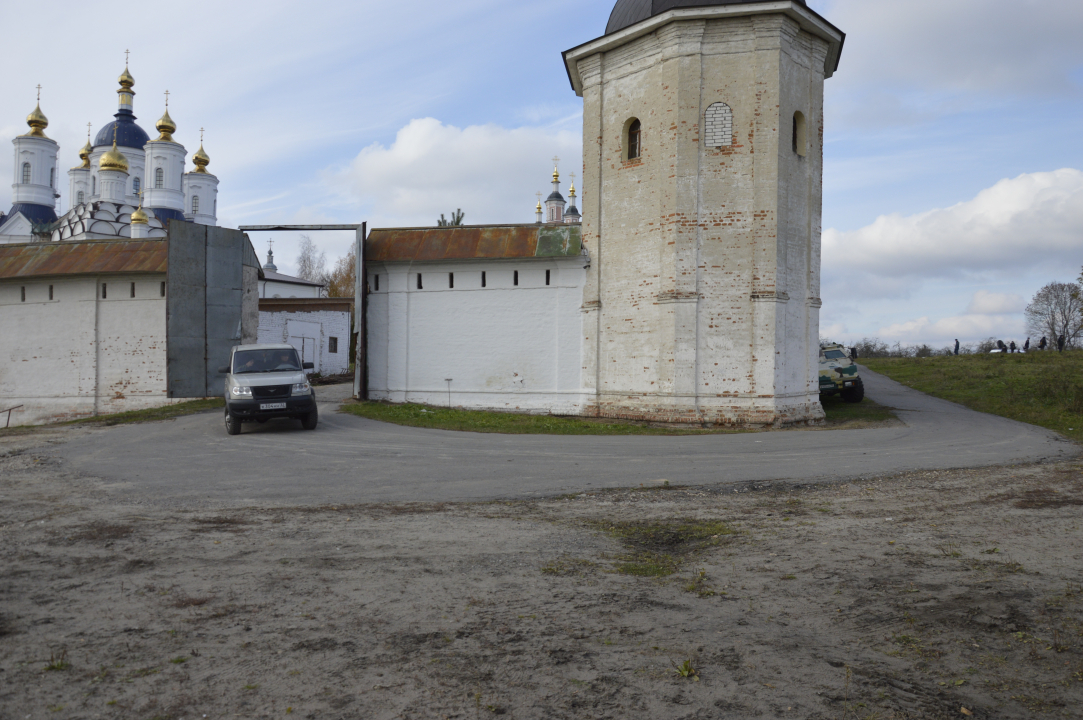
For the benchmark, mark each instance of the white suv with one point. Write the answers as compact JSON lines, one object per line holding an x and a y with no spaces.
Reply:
{"x":267,"y":381}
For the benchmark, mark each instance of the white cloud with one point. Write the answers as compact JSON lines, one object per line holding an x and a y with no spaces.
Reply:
{"x":988,"y":303}
{"x":1030,"y":221}
{"x":491,"y":172}
{"x":964,"y":327}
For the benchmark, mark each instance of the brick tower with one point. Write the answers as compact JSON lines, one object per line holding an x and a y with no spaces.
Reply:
{"x":703,"y":158}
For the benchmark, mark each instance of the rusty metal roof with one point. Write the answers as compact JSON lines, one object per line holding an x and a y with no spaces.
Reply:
{"x":83,"y":258}
{"x":472,"y":242}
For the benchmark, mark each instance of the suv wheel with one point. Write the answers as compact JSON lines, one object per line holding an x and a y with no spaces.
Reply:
{"x":310,"y":421}
{"x":854,"y":394}
{"x":233,"y":425}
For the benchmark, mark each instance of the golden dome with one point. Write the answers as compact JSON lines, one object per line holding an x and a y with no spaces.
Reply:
{"x":139,"y":217}
{"x":537,"y":208}
{"x":113,"y":160}
{"x":166,"y":127}
{"x":126,"y":80}
{"x":556,"y":175}
{"x":37,"y":122}
{"x":571,"y":191}
{"x":201,"y":160}
{"x":84,"y":155}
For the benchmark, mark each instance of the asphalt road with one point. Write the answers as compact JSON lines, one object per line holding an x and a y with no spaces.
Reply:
{"x":191,"y":460}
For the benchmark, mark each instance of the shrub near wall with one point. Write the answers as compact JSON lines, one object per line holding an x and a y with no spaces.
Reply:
{"x":1041,"y":388}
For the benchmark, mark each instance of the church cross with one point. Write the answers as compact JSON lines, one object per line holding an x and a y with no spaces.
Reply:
{"x":271,"y":245}
{"x":556,"y":161}
{"x":201,"y":136}
{"x":539,"y":195}
{"x":572,"y":176}
{"x":166,"y":99}
{"x":126,"y":53}
{"x":88,"y":126}
{"x":39,"y":93}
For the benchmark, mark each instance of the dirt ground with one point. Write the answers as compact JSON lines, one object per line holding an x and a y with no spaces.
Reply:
{"x":931,"y":595}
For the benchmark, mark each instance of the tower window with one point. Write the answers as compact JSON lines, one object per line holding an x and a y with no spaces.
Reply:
{"x":376,"y":283}
{"x":80,"y":197}
{"x":419,"y":286}
{"x":451,"y":280}
{"x":800,"y":134}
{"x":136,"y":185}
{"x":718,"y":125}
{"x":133,"y":290}
{"x":26,"y":173}
{"x":195,"y":204}
{"x":633,"y":139}
{"x":515,"y":278}
{"x":52,"y":177}
{"x":483,"y":278}
{"x":94,"y":185}
{"x":159,"y":178}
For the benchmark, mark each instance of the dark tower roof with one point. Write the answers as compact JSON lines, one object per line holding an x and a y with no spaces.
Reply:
{"x":128,"y":133}
{"x":629,"y":12}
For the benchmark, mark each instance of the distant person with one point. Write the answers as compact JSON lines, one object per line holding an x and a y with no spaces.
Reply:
{"x":956,"y":346}
{"x":1026,"y":346}
{"x":1001,"y":346}
{"x":1043,"y":343}
{"x":1012,"y":346}
{"x":1060,"y":344}
{"x":853,"y":353}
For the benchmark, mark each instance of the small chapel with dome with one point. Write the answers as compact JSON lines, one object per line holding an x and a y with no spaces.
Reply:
{"x":126,"y":185}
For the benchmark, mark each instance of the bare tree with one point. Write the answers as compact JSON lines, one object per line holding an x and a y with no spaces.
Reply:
{"x":341,"y":281}
{"x":1057,"y":309}
{"x":312,"y":263}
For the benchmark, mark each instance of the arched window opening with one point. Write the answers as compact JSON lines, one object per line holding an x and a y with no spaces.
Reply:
{"x":718,"y":125}
{"x":195,"y":204}
{"x":26,"y":173}
{"x":81,"y":197}
{"x":94,"y":185}
{"x":633,"y":139}
{"x":52,"y":177}
{"x":800,"y":134}
{"x":136,"y":186}
{"x":159,"y":178}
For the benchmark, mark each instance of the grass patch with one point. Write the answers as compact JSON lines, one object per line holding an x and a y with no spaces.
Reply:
{"x":660,"y":548}
{"x":1040,"y":388}
{"x":839,"y":412}
{"x":132,"y":416}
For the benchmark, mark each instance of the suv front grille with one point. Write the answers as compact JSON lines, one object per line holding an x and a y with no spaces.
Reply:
{"x":271,"y":391}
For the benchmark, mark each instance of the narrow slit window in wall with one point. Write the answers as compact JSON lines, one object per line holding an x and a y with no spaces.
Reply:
{"x":332,"y":345}
{"x":50,"y":292}
{"x":103,"y":291}
{"x":159,"y":178}
{"x":94,"y":185}
{"x":22,"y":292}
{"x":546,"y":277}
{"x":52,"y":177}
{"x":81,"y":196}
{"x":451,"y":280}
{"x":26,"y":173}
{"x":800,"y":134}
{"x":483,"y":278}
{"x":161,"y":290}
{"x":376,"y":283}
{"x":634,"y":140}
{"x":133,"y":290}
{"x":419,"y":287}
{"x":136,"y":186}
{"x":515,"y":278}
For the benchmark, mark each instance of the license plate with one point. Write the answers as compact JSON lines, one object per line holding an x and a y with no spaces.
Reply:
{"x":272,"y":406}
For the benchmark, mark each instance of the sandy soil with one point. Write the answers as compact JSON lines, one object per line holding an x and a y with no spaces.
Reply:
{"x":932,"y":595}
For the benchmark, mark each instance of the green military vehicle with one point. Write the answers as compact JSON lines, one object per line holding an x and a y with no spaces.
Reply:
{"x":838,"y":374}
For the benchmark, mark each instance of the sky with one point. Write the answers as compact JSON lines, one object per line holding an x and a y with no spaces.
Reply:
{"x":953,"y":173}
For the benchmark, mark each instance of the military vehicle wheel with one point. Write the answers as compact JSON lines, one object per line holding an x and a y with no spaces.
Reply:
{"x":854,"y":394}
{"x":233,"y":425}
{"x":310,"y":421}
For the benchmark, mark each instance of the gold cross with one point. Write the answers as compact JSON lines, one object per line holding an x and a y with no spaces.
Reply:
{"x":572,"y":176}
{"x":88,"y":126}
{"x":556,"y":160}
{"x":126,"y":52}
{"x":201,"y":136}
{"x":39,"y":92}
{"x":166,"y":99}
{"x":271,"y":244}
{"x":539,"y":195}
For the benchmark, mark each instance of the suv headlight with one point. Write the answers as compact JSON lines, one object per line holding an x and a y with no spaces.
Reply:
{"x":239,"y":391}
{"x":301,"y":388}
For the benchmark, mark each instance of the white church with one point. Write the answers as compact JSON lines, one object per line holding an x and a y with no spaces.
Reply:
{"x":689,"y":292}
{"x":125,"y":186}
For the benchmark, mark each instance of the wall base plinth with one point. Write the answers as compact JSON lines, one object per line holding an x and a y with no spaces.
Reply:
{"x":717,"y":412}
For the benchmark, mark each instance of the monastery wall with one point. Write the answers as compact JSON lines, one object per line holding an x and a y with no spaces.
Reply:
{"x":98,"y":356}
{"x":505,"y":347}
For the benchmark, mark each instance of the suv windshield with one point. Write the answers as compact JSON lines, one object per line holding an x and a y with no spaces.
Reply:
{"x":264,"y":361}
{"x":834,"y":354}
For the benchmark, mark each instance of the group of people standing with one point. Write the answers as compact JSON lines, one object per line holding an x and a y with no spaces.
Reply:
{"x":1011,"y":347}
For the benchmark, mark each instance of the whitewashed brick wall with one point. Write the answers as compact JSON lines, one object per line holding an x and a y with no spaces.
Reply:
{"x":333,"y":323}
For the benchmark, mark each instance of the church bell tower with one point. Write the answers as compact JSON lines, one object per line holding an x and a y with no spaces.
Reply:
{"x":703,"y":159}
